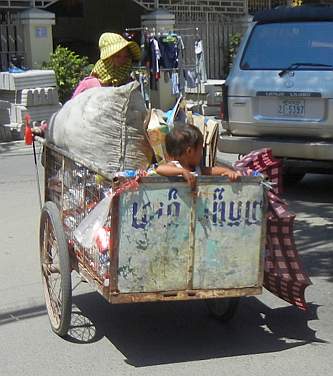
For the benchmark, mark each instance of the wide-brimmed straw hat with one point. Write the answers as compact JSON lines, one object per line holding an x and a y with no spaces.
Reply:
{"x":111,"y":43}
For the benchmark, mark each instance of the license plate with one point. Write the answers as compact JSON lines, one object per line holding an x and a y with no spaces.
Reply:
{"x":290,"y":107}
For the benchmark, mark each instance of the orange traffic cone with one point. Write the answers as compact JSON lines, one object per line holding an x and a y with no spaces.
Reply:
{"x":27,"y":132}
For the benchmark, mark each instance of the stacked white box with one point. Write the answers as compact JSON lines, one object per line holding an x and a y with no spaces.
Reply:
{"x":34,"y":92}
{"x":37,"y":113}
{"x":32,"y":97}
{"x":29,"y":79}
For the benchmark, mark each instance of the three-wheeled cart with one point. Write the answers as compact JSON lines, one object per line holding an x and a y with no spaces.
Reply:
{"x":163,"y":243}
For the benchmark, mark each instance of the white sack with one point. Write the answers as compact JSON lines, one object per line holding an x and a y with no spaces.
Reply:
{"x":105,"y":126}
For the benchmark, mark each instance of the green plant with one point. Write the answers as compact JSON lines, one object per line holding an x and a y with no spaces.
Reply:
{"x":69,"y":69}
{"x":233,"y":44}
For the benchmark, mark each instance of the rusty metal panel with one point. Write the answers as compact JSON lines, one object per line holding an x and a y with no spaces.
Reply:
{"x":171,"y":241}
{"x":167,"y":243}
{"x":228,"y":235}
{"x":154,"y":238}
{"x":140,"y":297}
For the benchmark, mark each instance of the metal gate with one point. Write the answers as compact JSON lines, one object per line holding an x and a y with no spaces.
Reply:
{"x":215,"y":31}
{"x":258,"y":5}
{"x":216,"y":21}
{"x":11,"y":42}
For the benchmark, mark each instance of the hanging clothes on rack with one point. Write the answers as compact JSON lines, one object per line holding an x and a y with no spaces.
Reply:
{"x":175,"y":83}
{"x":172,"y":51}
{"x":164,"y":53}
{"x":156,"y":56}
{"x":169,"y":50}
{"x":191,"y":78}
{"x":151,"y":58}
{"x":200,"y":60}
{"x":181,"y":63}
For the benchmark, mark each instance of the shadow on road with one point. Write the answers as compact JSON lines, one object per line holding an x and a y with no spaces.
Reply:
{"x":170,"y":332}
{"x":312,"y":201}
{"x":162,"y":333}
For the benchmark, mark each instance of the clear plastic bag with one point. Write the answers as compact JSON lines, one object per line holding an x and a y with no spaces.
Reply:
{"x":86,"y":231}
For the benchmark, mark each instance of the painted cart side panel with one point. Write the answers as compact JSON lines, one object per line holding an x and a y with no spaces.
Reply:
{"x":166,"y":244}
{"x":228,"y":236}
{"x":154,"y":238}
{"x":169,"y":241}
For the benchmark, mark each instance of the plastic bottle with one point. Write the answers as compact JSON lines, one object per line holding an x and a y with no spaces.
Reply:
{"x":126,"y":174}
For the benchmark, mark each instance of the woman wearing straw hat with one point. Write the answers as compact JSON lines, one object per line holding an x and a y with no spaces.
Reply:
{"x":115,"y":64}
{"x":113,"y":69}
{"x":116,"y":60}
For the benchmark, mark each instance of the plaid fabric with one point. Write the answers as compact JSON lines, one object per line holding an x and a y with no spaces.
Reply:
{"x":110,"y":75}
{"x":262,"y":161}
{"x":284,"y":275}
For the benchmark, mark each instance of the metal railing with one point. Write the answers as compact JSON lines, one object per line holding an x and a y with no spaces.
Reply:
{"x":250,"y":6}
{"x":25,"y":4}
{"x":258,"y":5}
{"x":195,"y":6}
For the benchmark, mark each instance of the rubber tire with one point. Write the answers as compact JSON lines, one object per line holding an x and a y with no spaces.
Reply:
{"x":51,"y":213}
{"x":223,"y":309}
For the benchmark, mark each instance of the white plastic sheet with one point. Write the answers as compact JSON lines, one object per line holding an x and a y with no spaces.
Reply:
{"x":87,"y":230}
{"x":104,"y":125}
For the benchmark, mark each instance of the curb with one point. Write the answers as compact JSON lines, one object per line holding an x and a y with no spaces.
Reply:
{"x":14,"y":148}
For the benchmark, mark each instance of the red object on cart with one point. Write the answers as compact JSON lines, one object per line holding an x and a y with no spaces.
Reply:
{"x":28,"y":136}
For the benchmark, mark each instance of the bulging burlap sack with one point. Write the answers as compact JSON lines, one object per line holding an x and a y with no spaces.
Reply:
{"x":104,"y":126}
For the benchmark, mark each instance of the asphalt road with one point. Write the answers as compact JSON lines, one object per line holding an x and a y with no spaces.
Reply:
{"x":267,"y":335}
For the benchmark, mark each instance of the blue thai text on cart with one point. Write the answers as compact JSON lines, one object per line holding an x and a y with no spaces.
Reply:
{"x":221,"y":213}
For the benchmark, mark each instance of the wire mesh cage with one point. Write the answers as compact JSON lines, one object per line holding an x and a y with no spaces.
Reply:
{"x":77,"y":190}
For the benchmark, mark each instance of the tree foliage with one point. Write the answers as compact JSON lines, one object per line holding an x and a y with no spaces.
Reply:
{"x":234,"y":41}
{"x":69,"y":69}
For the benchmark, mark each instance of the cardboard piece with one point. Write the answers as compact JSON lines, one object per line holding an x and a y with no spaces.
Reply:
{"x":157,"y":129}
{"x":210,"y":130}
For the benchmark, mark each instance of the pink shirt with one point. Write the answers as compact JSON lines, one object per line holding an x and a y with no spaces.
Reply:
{"x":87,"y":83}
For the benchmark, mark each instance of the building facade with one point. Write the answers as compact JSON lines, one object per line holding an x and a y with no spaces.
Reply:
{"x":79,"y":23}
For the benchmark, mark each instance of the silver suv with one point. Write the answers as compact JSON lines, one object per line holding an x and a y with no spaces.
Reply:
{"x":279,"y":93}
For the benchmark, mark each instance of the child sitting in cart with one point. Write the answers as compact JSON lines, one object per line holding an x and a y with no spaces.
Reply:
{"x":184,"y":145}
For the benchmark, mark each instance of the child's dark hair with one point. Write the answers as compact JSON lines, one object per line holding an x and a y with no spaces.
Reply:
{"x":181,"y":137}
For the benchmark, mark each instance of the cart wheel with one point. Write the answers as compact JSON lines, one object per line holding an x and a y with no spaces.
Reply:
{"x":56,"y":269}
{"x":222,"y":309}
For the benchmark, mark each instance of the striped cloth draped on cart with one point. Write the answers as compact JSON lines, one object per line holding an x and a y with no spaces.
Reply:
{"x":284,"y":275}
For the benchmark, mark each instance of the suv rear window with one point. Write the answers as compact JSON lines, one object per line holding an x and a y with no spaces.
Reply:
{"x":279,"y":45}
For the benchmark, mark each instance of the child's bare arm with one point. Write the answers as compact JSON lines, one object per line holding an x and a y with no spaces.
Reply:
{"x":170,"y":169}
{"x":232,"y":174}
